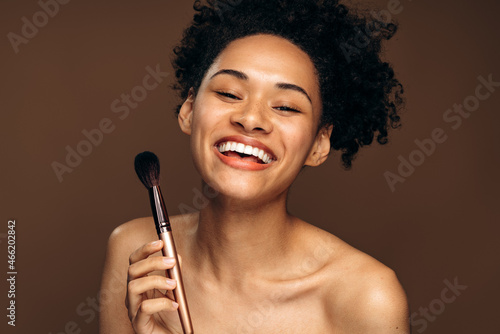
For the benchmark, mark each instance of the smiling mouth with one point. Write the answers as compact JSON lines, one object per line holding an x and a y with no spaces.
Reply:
{"x":244,"y":152}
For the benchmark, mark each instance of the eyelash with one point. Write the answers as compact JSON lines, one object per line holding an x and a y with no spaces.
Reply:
{"x":281,"y":108}
{"x":229,"y":95}
{"x":286,"y":108}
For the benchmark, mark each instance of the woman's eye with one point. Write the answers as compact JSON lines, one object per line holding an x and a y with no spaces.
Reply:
{"x":228,"y":95}
{"x":286,"y":108}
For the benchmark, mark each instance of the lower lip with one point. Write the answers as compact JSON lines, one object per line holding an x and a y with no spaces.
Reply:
{"x":239,"y":163}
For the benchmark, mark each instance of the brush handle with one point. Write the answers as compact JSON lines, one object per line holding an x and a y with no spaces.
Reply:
{"x":175,"y":273}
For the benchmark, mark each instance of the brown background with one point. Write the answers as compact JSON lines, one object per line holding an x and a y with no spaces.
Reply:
{"x":439,"y":224}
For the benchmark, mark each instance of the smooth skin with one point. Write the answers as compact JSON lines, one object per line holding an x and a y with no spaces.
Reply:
{"x":248,"y":265}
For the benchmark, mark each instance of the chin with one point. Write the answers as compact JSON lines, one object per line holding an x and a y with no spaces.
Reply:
{"x":244,"y":192}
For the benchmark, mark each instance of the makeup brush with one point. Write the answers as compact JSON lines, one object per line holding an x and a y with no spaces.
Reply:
{"x":147,"y":167}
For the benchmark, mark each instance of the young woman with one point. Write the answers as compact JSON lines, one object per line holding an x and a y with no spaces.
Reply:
{"x":269,"y":86}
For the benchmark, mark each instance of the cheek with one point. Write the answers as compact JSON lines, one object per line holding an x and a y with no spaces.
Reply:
{"x":207,"y":112}
{"x":205,"y":120}
{"x":298,"y":137}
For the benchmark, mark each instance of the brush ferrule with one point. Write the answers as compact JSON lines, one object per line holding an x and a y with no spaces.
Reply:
{"x":160,"y":214}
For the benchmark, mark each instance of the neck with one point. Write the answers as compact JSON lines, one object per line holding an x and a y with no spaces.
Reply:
{"x":237,"y":242}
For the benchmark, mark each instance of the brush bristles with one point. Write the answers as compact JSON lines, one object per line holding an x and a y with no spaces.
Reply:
{"x":147,"y":167}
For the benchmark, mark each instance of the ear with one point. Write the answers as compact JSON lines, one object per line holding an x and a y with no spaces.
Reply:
{"x":186,"y":113}
{"x":321,"y":147}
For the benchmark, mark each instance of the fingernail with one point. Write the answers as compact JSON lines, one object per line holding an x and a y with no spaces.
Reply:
{"x":171,"y":282}
{"x":175,"y":305}
{"x":168,"y":260}
{"x":155,"y":243}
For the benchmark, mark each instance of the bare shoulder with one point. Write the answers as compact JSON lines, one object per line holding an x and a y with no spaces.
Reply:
{"x":130,"y":228}
{"x":379,"y":303}
{"x":130,"y":235}
{"x":363,"y":292}
{"x":137,"y":232}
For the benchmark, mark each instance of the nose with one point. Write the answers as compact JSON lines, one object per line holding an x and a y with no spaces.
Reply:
{"x":252,"y":117}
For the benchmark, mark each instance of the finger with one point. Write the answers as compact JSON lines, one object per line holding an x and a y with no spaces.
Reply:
{"x":145,"y":250}
{"x":146,"y":266}
{"x":150,"y":307}
{"x":138,"y":287}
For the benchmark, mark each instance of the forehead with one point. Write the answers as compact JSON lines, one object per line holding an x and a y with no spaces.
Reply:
{"x":268,"y":57}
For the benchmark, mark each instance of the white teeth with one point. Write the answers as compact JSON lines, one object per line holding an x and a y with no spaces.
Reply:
{"x":261,"y":154}
{"x":245,"y":149}
{"x":248,"y":150}
{"x":240,"y":148}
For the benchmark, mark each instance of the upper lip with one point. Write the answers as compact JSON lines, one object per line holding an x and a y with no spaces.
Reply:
{"x":247,"y":141}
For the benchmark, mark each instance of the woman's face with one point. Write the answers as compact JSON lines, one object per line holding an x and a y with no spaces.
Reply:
{"x":254,"y":120}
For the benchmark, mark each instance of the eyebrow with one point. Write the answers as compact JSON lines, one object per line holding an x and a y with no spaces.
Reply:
{"x":279,"y":85}
{"x":236,"y":74}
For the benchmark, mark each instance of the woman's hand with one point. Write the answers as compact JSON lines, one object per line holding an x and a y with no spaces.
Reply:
{"x":143,"y":300}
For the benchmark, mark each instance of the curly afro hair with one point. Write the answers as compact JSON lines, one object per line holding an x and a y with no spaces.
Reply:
{"x":360,"y":95}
